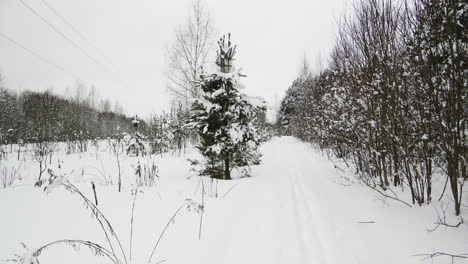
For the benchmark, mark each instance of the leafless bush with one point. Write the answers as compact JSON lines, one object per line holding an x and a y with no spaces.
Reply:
{"x":117,"y":149}
{"x":9,"y":176}
{"x":147,"y":173}
{"x":101,"y":174}
{"x":42,"y":151}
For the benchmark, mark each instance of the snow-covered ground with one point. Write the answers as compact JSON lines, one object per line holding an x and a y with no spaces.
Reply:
{"x":294,"y":209}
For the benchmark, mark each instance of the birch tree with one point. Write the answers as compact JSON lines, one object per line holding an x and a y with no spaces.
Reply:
{"x":188,"y":53}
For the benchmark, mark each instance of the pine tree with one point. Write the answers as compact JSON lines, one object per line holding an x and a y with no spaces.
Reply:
{"x":225,"y":118}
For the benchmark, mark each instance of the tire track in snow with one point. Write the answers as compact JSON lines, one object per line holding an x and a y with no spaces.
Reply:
{"x":298,"y":223}
{"x":324,"y":210}
{"x":311,"y":246}
{"x":320,"y":220}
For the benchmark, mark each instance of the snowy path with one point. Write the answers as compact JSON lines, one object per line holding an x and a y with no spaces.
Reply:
{"x":293,"y":211}
{"x":283,"y":214}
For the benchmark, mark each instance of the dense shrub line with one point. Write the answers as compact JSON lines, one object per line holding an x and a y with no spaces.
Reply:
{"x":393,"y":99}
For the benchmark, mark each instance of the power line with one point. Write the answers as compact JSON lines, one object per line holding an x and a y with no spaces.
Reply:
{"x":63,"y":19}
{"x":82,"y":36}
{"x":60,"y":33}
{"x":115,"y":69}
{"x":38,"y":56}
{"x":63,"y":35}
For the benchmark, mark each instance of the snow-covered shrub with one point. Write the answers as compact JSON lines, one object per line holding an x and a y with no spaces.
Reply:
{"x":392,"y":102}
{"x":179,"y":133}
{"x":136,"y":144}
{"x":265,"y":130}
{"x":163,"y":138}
{"x":225,"y":118}
{"x":167,"y":131}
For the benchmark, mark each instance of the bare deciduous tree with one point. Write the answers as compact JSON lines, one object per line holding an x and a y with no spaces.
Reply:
{"x":188,"y":53}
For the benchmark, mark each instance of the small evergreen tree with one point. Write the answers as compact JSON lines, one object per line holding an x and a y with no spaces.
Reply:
{"x":225,"y":118}
{"x":136,"y":142}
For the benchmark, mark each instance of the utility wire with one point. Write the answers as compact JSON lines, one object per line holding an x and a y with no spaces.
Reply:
{"x":38,"y":56}
{"x":60,"y":33}
{"x":63,"y":35}
{"x":115,"y":69}
{"x":82,"y":36}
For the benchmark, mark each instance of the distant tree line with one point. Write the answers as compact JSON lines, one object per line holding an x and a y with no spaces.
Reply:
{"x":33,"y":117}
{"x":393,"y":100}
{"x":79,"y":116}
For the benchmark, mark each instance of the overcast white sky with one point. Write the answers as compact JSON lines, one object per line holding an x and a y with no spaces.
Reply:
{"x":272,"y":37}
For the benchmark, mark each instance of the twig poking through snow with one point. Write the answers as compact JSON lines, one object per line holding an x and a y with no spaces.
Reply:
{"x":190,"y":205}
{"x":441,"y":254}
{"x":134,"y":193}
{"x":94,"y":191}
{"x":442,"y":219}
{"x":232,"y":187}
{"x":395,"y":198}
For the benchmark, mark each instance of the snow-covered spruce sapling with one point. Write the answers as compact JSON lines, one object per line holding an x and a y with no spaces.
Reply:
{"x":224,"y":118}
{"x":162,"y":134}
{"x":114,"y":251}
{"x":135,"y":142}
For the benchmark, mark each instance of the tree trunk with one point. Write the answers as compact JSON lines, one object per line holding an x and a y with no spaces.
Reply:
{"x":227,"y":172}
